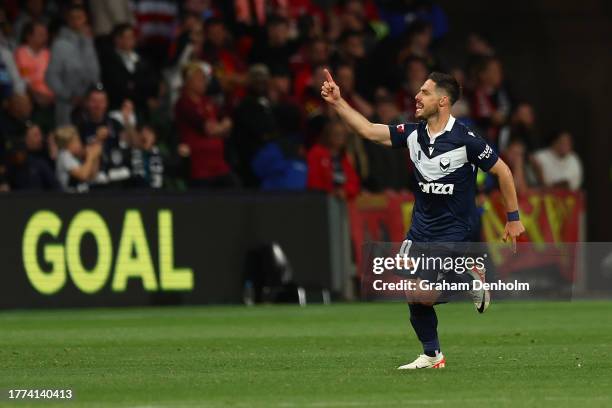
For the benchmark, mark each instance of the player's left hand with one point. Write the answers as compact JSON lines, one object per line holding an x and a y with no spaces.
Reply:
{"x":512,"y":231}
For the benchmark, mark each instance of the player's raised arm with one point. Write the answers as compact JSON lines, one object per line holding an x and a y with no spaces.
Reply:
{"x":375,"y":132}
{"x":514,"y":227}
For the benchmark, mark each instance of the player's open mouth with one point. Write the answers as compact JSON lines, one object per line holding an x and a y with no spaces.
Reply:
{"x":419,"y":106}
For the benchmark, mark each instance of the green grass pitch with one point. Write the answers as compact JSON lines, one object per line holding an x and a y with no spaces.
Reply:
{"x":345,"y":355}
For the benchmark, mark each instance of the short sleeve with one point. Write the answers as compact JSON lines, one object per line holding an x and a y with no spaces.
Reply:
{"x":69,"y":162}
{"x":479,"y":152}
{"x":399,"y":134}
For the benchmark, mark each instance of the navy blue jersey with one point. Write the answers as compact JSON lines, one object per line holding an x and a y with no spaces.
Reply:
{"x":445,"y":172}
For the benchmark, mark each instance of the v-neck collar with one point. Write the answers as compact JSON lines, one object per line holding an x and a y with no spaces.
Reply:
{"x":447,"y":128}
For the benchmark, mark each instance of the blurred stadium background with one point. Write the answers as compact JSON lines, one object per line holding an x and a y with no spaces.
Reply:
{"x":157,"y":152}
{"x":198,"y":153}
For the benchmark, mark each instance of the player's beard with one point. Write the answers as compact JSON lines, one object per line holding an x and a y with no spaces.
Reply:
{"x":426,"y":113}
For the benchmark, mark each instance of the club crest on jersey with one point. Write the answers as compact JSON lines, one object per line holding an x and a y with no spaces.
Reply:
{"x":400,"y":128}
{"x":444,"y":164}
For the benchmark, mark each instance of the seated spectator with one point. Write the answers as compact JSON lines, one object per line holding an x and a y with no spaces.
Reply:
{"x":73,"y":67}
{"x":329,"y":167}
{"x":76,"y":167}
{"x":202,"y":129}
{"x":26,"y":171}
{"x":32,"y":59}
{"x":95,"y":125}
{"x":126,"y":74}
{"x":558,"y":165}
{"x":490,"y":102}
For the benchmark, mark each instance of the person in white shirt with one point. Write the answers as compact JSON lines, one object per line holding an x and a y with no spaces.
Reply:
{"x":558,"y":165}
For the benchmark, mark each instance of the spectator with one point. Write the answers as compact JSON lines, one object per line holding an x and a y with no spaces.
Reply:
{"x":36,"y":146}
{"x":285,"y":107}
{"x":95,"y":125}
{"x":521,"y":126}
{"x":202,"y":129}
{"x":155,"y":21}
{"x":279,"y":165}
{"x":74,"y":64}
{"x":416,"y":44}
{"x":351,"y":48}
{"x":314,"y":109}
{"x":389,"y":168}
{"x":126,"y":74}
{"x":189,"y":50}
{"x":10,"y":80}
{"x":461,"y":108}
{"x":106,"y":15}
{"x":276,"y":48}
{"x":478,"y":46}
{"x":415,"y":75}
{"x":32,"y":59}
{"x":74,"y":174}
{"x":26,"y":171}
{"x":514,"y":154}
{"x":345,"y":77}
{"x":329,"y":167}
{"x":33,"y":12}
{"x":352,"y":15}
{"x":316,"y":54}
{"x":15,"y":118}
{"x":558,"y":165}
{"x":490,"y":102}
{"x":254,"y":123}
{"x":219,"y":53}
{"x":146,"y":160}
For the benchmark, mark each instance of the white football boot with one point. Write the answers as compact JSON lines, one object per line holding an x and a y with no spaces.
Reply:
{"x":424,"y":361}
{"x":481,"y":297}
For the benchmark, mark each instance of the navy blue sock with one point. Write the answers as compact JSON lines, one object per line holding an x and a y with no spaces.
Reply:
{"x":425,"y":324}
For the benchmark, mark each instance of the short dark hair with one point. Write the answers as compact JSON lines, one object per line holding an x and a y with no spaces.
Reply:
{"x":448,"y":83}
{"x":120,"y":29}
{"x":28,"y":29}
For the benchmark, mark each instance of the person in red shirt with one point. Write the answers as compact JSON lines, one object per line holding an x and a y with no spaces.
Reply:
{"x":200,"y":127}
{"x":329,"y":167}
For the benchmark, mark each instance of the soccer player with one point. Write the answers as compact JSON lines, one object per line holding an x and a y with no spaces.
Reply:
{"x":446,"y":155}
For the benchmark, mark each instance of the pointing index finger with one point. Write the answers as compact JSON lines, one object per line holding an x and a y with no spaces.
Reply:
{"x":328,"y":76}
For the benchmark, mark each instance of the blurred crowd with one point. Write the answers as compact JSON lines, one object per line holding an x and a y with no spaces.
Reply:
{"x":212,"y":94}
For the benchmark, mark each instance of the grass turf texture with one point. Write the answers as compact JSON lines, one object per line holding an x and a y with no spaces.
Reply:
{"x":516,"y":354}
